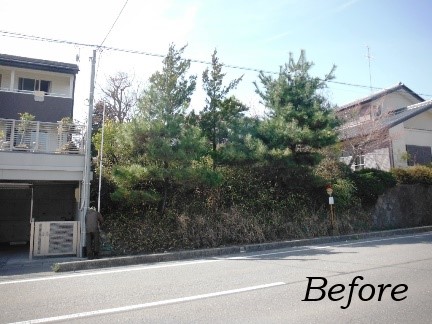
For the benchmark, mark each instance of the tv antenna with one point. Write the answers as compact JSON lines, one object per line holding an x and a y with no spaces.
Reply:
{"x":369,"y":57}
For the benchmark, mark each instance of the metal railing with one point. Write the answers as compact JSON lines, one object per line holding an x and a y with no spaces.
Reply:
{"x":44,"y":137}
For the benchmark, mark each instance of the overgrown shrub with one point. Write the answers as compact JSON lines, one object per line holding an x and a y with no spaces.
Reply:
{"x":331,"y":170}
{"x":371,"y":183}
{"x":344,"y":192}
{"x":251,"y":205}
{"x":416,"y":174}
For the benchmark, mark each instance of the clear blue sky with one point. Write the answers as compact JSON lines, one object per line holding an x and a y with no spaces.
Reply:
{"x":256,"y":34}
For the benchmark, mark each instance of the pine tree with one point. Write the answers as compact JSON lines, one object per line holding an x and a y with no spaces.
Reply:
{"x":299,"y":116}
{"x":164,"y":147}
{"x":220,"y":113}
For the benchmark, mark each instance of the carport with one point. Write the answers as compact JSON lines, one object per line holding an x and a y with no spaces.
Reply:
{"x":41,"y":214}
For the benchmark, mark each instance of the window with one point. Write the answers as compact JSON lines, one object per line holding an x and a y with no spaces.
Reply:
{"x":25,"y":84}
{"x":419,"y":154}
{"x":359,"y":162}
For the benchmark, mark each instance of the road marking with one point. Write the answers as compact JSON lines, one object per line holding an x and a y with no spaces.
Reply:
{"x":202,"y":261}
{"x":111,"y":271}
{"x":317,"y":247}
{"x":151,"y":304}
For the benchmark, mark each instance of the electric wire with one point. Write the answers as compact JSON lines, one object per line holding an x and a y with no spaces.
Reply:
{"x":112,"y":26}
{"x":146,"y":53}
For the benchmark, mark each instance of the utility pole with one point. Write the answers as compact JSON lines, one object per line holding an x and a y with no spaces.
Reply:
{"x":87,"y":163}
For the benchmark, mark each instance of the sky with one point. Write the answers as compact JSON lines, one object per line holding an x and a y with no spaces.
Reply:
{"x":251,"y":35}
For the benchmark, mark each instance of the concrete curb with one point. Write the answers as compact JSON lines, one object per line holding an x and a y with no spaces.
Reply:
{"x":205,"y":253}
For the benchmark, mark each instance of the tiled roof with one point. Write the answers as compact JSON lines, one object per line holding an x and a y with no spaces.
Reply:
{"x":400,"y":86}
{"x":37,"y":64}
{"x":392,"y":119}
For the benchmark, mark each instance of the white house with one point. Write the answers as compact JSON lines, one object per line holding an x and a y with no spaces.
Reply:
{"x":391,"y":128}
{"x":42,"y":161}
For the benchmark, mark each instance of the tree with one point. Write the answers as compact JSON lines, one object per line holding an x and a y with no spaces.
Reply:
{"x":299,"y":117}
{"x":219,"y":113}
{"x":364,"y":130}
{"x":164,"y":149}
{"x":119,"y":99}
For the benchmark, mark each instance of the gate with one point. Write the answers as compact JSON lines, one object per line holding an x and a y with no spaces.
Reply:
{"x":54,"y":238}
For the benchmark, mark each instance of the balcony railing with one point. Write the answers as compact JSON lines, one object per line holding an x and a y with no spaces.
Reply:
{"x":43,"y":137}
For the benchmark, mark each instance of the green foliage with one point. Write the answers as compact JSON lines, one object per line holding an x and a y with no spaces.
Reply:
{"x":299,"y":118}
{"x":331,"y":169}
{"x":416,"y":174}
{"x":219,"y":118}
{"x":26,"y":117}
{"x":371,"y":183}
{"x":163,"y":150}
{"x":344,"y":192}
{"x":113,"y":148}
{"x":161,"y":188}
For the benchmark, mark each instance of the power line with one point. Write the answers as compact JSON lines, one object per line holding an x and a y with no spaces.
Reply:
{"x":130,"y":51}
{"x":115,"y":21}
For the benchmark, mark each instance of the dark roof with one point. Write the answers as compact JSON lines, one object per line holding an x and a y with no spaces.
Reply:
{"x":37,"y":64}
{"x":400,"y":86}
{"x":392,"y":119}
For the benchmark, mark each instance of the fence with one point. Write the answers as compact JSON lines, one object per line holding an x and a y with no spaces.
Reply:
{"x":44,"y":137}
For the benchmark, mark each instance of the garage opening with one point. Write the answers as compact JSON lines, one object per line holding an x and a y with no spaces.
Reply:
{"x":41,"y":215}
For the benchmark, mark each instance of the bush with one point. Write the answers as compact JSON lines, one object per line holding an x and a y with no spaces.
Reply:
{"x":344,"y":192}
{"x":371,"y":183}
{"x":417,"y":174}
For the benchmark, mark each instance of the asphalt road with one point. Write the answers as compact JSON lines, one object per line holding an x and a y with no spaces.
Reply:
{"x":266,"y":287}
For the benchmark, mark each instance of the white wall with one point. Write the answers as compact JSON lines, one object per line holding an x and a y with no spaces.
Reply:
{"x":397,"y":134}
{"x":415,"y":131}
{"x":5,"y":79}
{"x":396,"y":100}
{"x":420,"y":122}
{"x":34,"y":166}
{"x":60,"y":83}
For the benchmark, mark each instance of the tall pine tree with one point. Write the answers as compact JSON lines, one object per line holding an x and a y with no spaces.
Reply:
{"x":220,"y":113}
{"x":300,"y":118}
{"x":163,"y":146}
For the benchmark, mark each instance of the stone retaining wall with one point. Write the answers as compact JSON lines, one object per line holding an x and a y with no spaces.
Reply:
{"x":404,"y":206}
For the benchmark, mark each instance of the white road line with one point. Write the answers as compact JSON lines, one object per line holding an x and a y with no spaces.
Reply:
{"x":316,"y":247}
{"x":186,"y":263}
{"x":110,"y":271}
{"x":151,"y":304}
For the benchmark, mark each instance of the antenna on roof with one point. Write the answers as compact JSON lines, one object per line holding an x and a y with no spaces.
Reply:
{"x":369,"y":60}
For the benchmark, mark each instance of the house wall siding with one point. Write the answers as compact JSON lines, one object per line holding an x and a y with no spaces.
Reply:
{"x":397,"y":100}
{"x":60,"y":83}
{"x":420,"y":122}
{"x":5,"y":79}
{"x":397,"y":133}
{"x":52,"y":109}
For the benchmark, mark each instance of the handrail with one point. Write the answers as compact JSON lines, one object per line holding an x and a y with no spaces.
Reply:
{"x":43,"y":137}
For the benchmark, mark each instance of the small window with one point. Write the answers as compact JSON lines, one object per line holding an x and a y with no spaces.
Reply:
{"x":25,"y":84}
{"x":419,"y":155}
{"x":44,"y":86}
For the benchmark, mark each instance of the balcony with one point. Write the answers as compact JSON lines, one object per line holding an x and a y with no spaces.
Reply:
{"x":33,"y":150}
{"x":41,"y":137}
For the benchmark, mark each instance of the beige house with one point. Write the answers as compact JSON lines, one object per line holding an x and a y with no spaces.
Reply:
{"x":390,"y":128}
{"x":42,"y":158}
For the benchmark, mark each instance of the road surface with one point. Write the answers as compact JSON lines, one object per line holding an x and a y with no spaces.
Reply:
{"x":264,"y":287}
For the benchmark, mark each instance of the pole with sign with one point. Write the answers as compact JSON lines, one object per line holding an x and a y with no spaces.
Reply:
{"x":329,"y":190}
